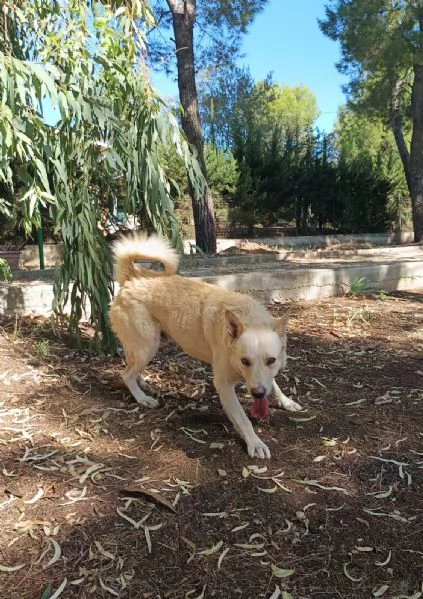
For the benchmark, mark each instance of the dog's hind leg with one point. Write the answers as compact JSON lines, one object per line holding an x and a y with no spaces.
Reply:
{"x":136,"y":362}
{"x":140,"y":340}
{"x":283,"y":401}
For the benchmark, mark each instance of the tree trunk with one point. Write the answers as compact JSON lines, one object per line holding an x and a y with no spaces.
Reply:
{"x":304,"y":215}
{"x":298,"y":212}
{"x":416,"y":153}
{"x":183,"y":16}
{"x":397,"y":130}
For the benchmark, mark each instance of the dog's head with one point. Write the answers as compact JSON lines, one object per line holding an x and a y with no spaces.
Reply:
{"x":257,"y":353}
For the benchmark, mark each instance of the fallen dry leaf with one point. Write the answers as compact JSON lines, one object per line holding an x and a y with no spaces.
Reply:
{"x":156,"y":497}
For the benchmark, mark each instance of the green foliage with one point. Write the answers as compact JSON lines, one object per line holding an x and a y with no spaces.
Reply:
{"x":222,"y":176}
{"x":233,"y":105}
{"x":223,"y":94}
{"x":352,"y":180}
{"x":359,"y":315}
{"x":85,"y":60}
{"x":42,"y":348}
{"x":218,"y":31}
{"x":363,"y":193}
{"x":5,"y":208}
{"x":293,"y":108}
{"x":270,"y":144}
{"x":376,"y":52}
{"x":7,"y":213}
{"x":287,"y":170}
{"x":358,"y":286}
{"x":381,"y":48}
{"x":248,"y":204}
{"x":371,"y":178}
{"x":399,"y":212}
{"x":221,"y":171}
{"x":5,"y":271}
{"x":356,"y":134}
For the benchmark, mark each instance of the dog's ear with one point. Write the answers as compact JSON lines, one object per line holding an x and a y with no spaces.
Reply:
{"x":280,"y":324}
{"x":233,"y":324}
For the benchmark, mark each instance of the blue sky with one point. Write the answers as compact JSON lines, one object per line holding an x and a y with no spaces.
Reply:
{"x":285,"y":39}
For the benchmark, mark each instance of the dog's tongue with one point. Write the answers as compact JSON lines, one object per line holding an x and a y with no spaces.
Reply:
{"x":260,"y":409}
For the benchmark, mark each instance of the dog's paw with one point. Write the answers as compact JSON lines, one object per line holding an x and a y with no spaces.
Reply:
{"x":293,"y":406}
{"x":137,"y":393}
{"x":147,"y":401}
{"x":284,"y":402}
{"x":258,"y":449}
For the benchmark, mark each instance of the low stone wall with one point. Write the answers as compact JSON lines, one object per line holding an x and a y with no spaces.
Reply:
{"x":24,"y":298}
{"x":54,"y":252}
{"x":308,"y":283}
{"x":285,"y":283}
{"x":315,"y":241}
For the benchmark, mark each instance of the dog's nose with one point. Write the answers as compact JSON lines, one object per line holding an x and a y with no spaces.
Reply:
{"x":258,"y":392}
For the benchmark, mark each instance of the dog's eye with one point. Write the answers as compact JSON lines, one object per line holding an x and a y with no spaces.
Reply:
{"x":245,"y":361}
{"x":271,"y":361}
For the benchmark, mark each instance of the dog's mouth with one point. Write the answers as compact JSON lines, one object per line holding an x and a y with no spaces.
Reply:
{"x":260,"y":408}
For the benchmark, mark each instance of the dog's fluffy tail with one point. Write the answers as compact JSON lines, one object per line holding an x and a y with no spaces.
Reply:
{"x":141,"y":247}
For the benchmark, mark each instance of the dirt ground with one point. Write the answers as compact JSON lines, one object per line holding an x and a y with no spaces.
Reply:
{"x":246,"y":246}
{"x":100,"y":498}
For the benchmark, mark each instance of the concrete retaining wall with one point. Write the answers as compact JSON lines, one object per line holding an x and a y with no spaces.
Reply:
{"x":54,"y":252}
{"x":24,"y":298}
{"x":275,"y":284}
{"x":305,"y":283}
{"x":315,"y":241}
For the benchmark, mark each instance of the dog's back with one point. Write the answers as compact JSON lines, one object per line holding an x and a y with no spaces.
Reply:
{"x":191,"y":312}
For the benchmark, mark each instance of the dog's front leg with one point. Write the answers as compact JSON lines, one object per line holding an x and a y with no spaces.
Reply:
{"x":283,"y":401}
{"x":234,"y":411}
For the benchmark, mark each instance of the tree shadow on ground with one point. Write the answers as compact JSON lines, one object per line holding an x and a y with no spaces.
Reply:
{"x":339,"y":503}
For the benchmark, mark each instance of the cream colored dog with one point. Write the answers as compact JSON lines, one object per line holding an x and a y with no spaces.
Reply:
{"x":231,"y":331}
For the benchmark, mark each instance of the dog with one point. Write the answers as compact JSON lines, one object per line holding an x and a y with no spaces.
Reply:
{"x":231,"y":331}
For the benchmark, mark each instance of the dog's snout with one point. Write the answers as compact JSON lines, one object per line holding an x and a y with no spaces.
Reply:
{"x":258,"y":392}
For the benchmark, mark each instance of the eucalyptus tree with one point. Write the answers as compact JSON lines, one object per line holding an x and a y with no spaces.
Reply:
{"x":382,"y":52}
{"x":86,"y":60}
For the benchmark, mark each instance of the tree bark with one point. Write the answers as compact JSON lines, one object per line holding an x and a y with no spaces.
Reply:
{"x":416,"y":153}
{"x":183,"y":16}
{"x":298,"y":213}
{"x":398,"y":132}
{"x":412,"y":160}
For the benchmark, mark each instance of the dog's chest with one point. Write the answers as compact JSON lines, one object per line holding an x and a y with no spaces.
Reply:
{"x":194,"y":346}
